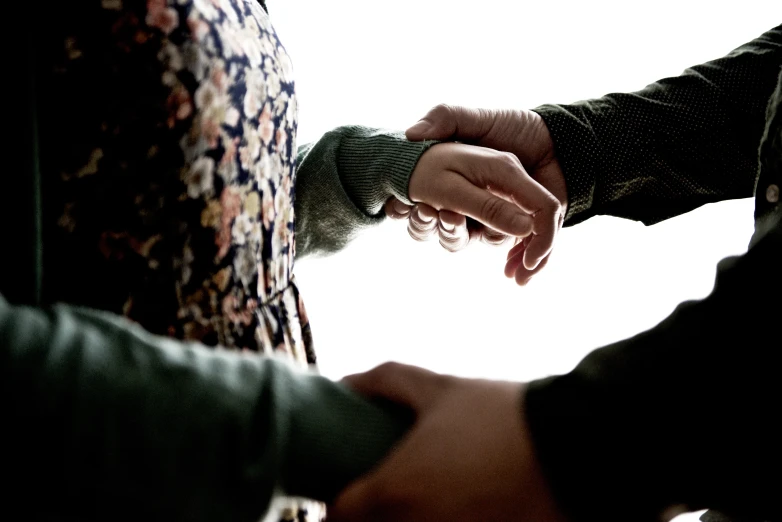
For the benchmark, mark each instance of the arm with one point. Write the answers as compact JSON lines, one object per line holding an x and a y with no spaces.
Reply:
{"x":686,"y":414}
{"x":343,"y":180}
{"x":675,"y":145}
{"x":105,"y":419}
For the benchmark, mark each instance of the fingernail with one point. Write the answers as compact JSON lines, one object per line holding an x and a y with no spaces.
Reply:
{"x":401,"y":207}
{"x":425,"y":219}
{"x":422,"y":127}
{"x":447,"y":227}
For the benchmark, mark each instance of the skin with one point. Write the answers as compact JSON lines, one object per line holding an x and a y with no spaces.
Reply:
{"x":488,"y":472}
{"x":489,"y":186}
{"x":522,"y":134}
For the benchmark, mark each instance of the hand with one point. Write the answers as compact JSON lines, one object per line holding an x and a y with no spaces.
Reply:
{"x":454,"y":230}
{"x":469,"y":455}
{"x":522,"y":133}
{"x":489,"y":186}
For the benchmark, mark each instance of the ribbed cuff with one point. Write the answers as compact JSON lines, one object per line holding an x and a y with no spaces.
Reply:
{"x":578,"y":153}
{"x":377,"y":164}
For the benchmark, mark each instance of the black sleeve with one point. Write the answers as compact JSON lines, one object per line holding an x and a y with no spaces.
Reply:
{"x":686,"y":414}
{"x":677,"y":144}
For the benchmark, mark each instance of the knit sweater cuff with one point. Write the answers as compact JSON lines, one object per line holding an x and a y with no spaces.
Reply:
{"x":377,"y":164}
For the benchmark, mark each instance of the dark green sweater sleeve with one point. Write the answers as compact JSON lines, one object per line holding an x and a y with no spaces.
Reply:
{"x":673,"y":146}
{"x":103,"y":421}
{"x":343,"y":180}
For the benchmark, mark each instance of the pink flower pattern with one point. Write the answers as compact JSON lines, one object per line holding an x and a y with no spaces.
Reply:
{"x":168,"y":183}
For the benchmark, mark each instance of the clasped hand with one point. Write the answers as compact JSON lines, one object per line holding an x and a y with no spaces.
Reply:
{"x":502,"y":175}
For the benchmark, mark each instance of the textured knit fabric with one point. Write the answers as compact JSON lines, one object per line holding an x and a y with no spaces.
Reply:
{"x":342,"y":182}
{"x":103,"y":421}
{"x":687,"y":414}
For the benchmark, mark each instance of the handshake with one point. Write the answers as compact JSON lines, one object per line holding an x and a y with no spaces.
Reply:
{"x":496,"y":178}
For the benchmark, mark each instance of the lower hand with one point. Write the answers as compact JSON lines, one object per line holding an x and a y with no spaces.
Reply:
{"x":469,"y":455}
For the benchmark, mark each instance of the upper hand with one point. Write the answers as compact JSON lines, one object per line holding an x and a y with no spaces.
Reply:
{"x":522,"y":133}
{"x":469,"y":455}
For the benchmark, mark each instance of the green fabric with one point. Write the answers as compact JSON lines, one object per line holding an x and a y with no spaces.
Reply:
{"x":343,"y":180}
{"x":107,"y":422}
{"x":100,"y":414}
{"x":104,"y":414}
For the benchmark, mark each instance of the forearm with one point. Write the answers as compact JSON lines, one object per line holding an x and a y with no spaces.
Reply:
{"x":677,"y":144}
{"x":105,"y":418}
{"x":343,"y":180}
{"x":687,"y":413}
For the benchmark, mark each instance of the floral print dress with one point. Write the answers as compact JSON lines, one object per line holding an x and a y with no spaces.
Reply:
{"x":169,"y":138}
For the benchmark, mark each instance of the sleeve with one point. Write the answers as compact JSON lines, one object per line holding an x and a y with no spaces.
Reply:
{"x":343,"y":180}
{"x":673,"y":146}
{"x":102,"y":420}
{"x":687,"y":414}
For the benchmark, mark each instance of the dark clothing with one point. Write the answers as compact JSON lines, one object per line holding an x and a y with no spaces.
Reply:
{"x":686,"y":414}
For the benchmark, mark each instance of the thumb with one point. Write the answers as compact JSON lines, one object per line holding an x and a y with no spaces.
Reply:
{"x":400,"y":383}
{"x":355,"y":503}
{"x":452,"y":122}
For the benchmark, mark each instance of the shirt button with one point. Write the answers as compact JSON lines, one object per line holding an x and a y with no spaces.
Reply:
{"x":772,"y":194}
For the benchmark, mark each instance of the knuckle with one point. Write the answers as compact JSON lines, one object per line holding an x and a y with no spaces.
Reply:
{"x":422,"y":230}
{"x":417,"y":235}
{"x":491,"y":210}
{"x":510,"y":160}
{"x":385,"y":372}
{"x":441,"y":110}
{"x":553,"y":205}
{"x":451,"y":246}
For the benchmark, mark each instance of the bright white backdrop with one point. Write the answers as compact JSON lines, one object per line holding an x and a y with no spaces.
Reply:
{"x":384,"y":64}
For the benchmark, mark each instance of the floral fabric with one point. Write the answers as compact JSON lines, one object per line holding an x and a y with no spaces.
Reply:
{"x":169,"y":149}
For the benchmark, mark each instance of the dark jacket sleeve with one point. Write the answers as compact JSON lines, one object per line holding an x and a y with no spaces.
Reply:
{"x":673,"y":146}
{"x":686,"y":414}
{"x":103,"y":421}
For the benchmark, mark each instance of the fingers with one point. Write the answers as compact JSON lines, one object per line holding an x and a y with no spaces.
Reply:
{"x":410,"y":386}
{"x":492,"y":237}
{"x":453,"y":232}
{"x":479,"y":232}
{"x":514,"y":267}
{"x":422,"y":222}
{"x":510,"y":178}
{"x":354,"y":504}
{"x":396,"y":209}
{"x":446,"y":121}
{"x":491,"y":210}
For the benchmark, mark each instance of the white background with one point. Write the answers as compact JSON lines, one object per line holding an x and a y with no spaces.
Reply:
{"x":384,"y":64}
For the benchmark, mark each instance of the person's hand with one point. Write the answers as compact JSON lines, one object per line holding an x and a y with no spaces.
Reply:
{"x":522,"y":133}
{"x":469,"y":455}
{"x":455,"y":231}
{"x":453,"y":181}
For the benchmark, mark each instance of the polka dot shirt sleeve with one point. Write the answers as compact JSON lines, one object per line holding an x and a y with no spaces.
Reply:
{"x":673,"y":146}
